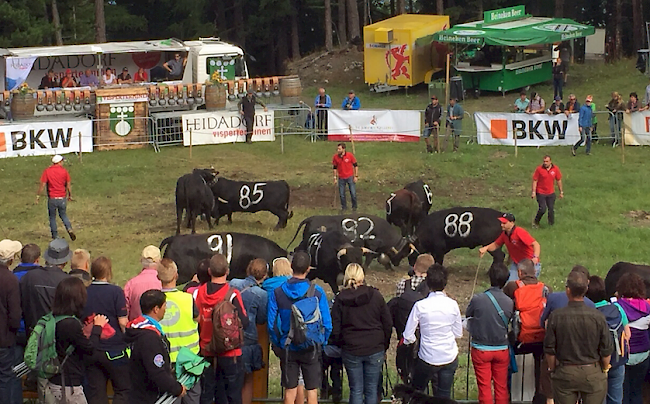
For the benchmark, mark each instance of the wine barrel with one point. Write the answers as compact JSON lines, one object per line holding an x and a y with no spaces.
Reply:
{"x":23,"y":105}
{"x":290,"y":90}
{"x":215,"y":97}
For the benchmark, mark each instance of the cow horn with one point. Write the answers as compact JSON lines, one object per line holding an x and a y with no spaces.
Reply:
{"x":413,"y":248}
{"x":341,"y":252}
{"x":367,"y":250}
{"x":393,"y":250}
{"x":222,"y":200}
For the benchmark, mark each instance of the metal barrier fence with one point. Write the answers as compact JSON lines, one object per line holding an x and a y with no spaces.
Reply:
{"x":110,"y":134}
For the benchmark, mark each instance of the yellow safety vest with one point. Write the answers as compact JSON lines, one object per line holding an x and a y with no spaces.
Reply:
{"x":178,"y":324}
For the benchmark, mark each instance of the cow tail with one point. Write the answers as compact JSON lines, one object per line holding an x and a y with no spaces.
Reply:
{"x":165,"y":242}
{"x":303,"y":223}
{"x":286,"y":205}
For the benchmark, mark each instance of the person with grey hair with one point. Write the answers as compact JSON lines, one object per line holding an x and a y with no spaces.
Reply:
{"x":454,"y":124}
{"x":147,"y":279}
{"x":10,"y":353}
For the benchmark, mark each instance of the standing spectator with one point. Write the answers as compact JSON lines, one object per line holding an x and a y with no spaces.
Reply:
{"x":201,"y":277}
{"x":558,"y":78}
{"x":88,"y":80}
{"x":617,"y":322}
{"x":633,"y":105}
{"x":49,"y":81}
{"x":594,"y":122}
{"x":10,"y":315}
{"x":362,"y":327}
{"x":57,"y":180}
{"x":572,"y":106}
{"x":521,"y":103}
{"x":454,"y":123}
{"x":255,"y":302}
{"x":124,"y":77}
{"x":346,"y":172}
{"x":432,"y":115}
{"x":29,"y":259}
{"x":646,"y":99}
{"x":351,"y":102}
{"x":578,"y":346}
{"x":223,"y":383}
{"x":420,"y":269}
{"x":147,"y":279}
{"x":557,"y":300}
{"x":584,"y":126}
{"x":323,"y":102}
{"x":557,"y":107}
{"x":110,"y":360}
{"x":631,"y":297}
{"x":488,"y":316}
{"x":80,"y":266}
{"x":108,"y":77}
{"x":179,"y":322}
{"x":68,"y":80}
{"x":140,"y":76}
{"x":69,"y":301}
{"x":616,"y":107}
{"x":519,"y":243}
{"x":246,"y":108}
{"x":537,"y":104}
{"x":175,"y":67}
{"x":544,"y":179}
{"x":294,"y":359}
{"x":151,"y":372}
{"x":438,"y":318}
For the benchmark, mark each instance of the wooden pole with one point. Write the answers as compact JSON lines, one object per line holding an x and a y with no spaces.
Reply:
{"x":354,"y":151}
{"x":80,"y":150}
{"x":447,"y":80}
{"x":261,"y":377}
{"x":190,"y":144}
{"x":622,"y":134}
{"x":282,"y":138}
{"x":514,"y":134}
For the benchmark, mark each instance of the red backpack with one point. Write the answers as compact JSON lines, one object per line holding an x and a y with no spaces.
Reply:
{"x":227,"y":330}
{"x":530,"y":301}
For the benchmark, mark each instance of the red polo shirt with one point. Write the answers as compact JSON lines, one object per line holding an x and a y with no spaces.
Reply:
{"x":545,"y":179}
{"x":56,"y":177}
{"x":519,"y":244}
{"x":344,"y":165}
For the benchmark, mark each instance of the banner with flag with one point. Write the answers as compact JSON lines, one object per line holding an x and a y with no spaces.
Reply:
{"x":374,"y":126}
{"x":529,"y":129}
{"x":17,"y":71}
{"x":637,"y":128}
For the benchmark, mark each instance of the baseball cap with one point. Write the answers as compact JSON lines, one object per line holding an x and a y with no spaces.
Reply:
{"x":151,"y":252}
{"x":68,"y":71}
{"x":589,"y":98}
{"x":125,"y":69}
{"x":557,"y":98}
{"x":351,"y":92}
{"x":507,"y":217}
{"x":57,"y":159}
{"x":9,"y":248}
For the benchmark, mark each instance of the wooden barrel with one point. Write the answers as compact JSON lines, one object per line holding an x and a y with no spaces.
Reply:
{"x":215,"y":97}
{"x":290,"y":89}
{"x":22,"y":105}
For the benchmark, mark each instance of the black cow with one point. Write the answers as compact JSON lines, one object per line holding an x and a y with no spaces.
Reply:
{"x":404,"y":210}
{"x":331,"y":252}
{"x":239,"y":196}
{"x":621,"y":268}
{"x":368,"y":231}
{"x":194,"y":196}
{"x":423,"y":192}
{"x":448,"y":229}
{"x":239,"y":248}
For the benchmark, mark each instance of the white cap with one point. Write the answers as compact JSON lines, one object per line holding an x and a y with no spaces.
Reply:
{"x":151,"y":252}
{"x":57,"y":159}
{"x":9,"y":249}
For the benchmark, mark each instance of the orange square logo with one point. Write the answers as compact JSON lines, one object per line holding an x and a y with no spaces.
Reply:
{"x":647,"y":124}
{"x":3,"y":142}
{"x":499,"y":128}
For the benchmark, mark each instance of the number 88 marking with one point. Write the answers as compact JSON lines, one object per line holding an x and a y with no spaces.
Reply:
{"x":455,"y":225}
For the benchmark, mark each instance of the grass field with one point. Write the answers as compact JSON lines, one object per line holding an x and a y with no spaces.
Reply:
{"x":124,"y":200}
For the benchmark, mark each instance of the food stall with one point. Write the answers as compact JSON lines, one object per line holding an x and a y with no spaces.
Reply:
{"x":508,"y":49}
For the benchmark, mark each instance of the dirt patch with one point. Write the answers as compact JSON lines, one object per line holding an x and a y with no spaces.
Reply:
{"x":319,"y":196}
{"x":464,"y":189}
{"x":499,"y":155}
{"x":340,"y":66}
{"x":639,"y":218}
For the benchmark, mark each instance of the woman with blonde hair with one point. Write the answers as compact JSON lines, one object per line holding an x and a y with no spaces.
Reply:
{"x":281,"y":273}
{"x":616,"y":107}
{"x":362,"y":327}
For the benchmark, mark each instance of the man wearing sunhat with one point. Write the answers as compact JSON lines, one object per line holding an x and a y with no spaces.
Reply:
{"x":147,"y":279}
{"x":520,"y":244}
{"x":10,"y":353}
{"x":57,"y":180}
{"x":247,"y":110}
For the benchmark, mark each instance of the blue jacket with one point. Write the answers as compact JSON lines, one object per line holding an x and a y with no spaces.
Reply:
{"x":255,"y":302}
{"x":328,"y":101}
{"x":275,"y":282}
{"x":355,"y":103}
{"x":20,"y":271}
{"x":456,"y":110}
{"x":557,"y":300}
{"x":279,"y":316}
{"x":585,"y":117}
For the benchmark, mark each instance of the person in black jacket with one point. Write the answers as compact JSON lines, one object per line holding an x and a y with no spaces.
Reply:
{"x":151,"y":371}
{"x":10,"y":313}
{"x":247,"y":110}
{"x":362,"y":327}
{"x":559,"y":71}
{"x":432,"y":116}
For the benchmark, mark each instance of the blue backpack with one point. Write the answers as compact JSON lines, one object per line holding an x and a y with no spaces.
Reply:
{"x":615,"y":323}
{"x":306,"y":327}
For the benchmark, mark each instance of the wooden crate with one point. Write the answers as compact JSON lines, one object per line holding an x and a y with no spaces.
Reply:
{"x":113,"y":118}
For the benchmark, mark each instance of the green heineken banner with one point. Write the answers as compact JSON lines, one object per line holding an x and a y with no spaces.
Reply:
{"x":504,"y":14}
{"x":122,"y":118}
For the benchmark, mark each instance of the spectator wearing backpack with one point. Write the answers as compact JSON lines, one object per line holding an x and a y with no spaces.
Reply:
{"x":519,"y":243}
{"x":255,"y":302}
{"x":180,"y":321}
{"x":299,"y":350}
{"x":631,"y":296}
{"x":201,"y":277}
{"x":151,"y":371}
{"x":10,"y":315}
{"x":222,"y":318}
{"x":420,"y":268}
{"x":438,"y":318}
{"x":147,"y":279}
{"x":110,"y":360}
{"x":578,"y":347}
{"x":72,"y":346}
{"x":619,"y":329}
{"x":488,"y":317}
{"x":362,"y":327}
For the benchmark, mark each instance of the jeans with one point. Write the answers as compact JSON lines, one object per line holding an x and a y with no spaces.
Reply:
{"x":222,"y":383}
{"x":615,"y":378}
{"x":353,"y":192}
{"x":491,"y":367}
{"x":615,"y":127}
{"x":585,"y":133}
{"x":363,"y":376}
{"x":55,"y":205}
{"x":11,"y":391}
{"x":557,"y":87}
{"x":433,"y":132}
{"x":423,"y":373}
{"x":545,"y":201}
{"x":100,"y":369}
{"x":633,"y":382}
{"x":514,"y":274}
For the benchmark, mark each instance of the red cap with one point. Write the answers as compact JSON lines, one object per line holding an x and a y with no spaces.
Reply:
{"x":503,"y":220}
{"x":68,"y":71}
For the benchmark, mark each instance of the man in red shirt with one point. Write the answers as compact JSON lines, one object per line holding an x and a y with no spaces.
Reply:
{"x":57,"y":180}
{"x":520,"y":245}
{"x":346,"y":172}
{"x":544,"y":189}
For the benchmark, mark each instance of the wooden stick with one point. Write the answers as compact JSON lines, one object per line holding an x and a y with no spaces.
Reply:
{"x":623,"y":141}
{"x":190,"y":144}
{"x":282,"y":137}
{"x":514,"y":134}
{"x":80,"y":150}
{"x":447,"y":92}
{"x":354,"y":151}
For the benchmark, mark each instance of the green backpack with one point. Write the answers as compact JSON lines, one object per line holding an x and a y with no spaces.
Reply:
{"x":40,"y":352}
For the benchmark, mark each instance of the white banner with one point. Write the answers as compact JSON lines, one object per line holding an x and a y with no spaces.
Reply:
{"x":17,"y":71}
{"x":42,"y":138}
{"x":530,"y":129}
{"x":637,"y":128}
{"x":225,"y":127}
{"x":113,"y":99}
{"x":374,"y":126}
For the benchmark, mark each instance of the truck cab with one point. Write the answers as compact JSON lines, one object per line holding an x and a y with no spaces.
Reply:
{"x":209,"y":55}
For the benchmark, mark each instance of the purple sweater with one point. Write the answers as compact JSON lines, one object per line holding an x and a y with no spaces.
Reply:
{"x":637,"y":309}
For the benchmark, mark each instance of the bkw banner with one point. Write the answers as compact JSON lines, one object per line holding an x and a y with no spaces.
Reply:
{"x":374,"y":126}
{"x":529,"y":129}
{"x":37,"y":139}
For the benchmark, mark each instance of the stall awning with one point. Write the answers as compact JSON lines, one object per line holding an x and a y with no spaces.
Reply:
{"x":170,"y":45}
{"x":523,"y":32}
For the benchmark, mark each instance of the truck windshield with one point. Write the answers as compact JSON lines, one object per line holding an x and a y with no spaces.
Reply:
{"x":228,"y":67}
